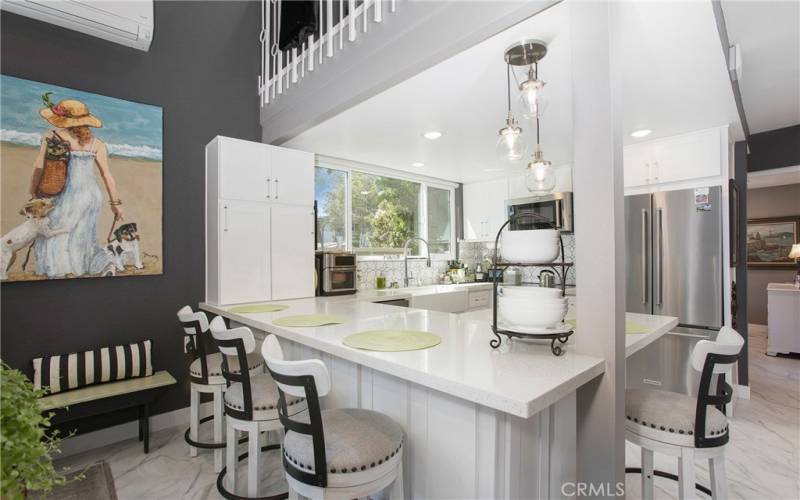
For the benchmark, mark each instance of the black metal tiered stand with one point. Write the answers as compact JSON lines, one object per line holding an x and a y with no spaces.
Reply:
{"x":559,"y":336}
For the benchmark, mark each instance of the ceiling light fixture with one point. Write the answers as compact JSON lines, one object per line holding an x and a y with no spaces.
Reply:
{"x":510,"y":147}
{"x":638,"y":134}
{"x":432,"y":135}
{"x":540,"y":177}
{"x":417,"y":164}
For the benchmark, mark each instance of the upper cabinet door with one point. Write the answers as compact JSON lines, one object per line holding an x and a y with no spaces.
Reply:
{"x":292,"y":177}
{"x":244,"y":170}
{"x":690,"y":156}
{"x":636,"y":165}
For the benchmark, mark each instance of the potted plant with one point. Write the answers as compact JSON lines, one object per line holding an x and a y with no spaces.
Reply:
{"x":25,"y":457}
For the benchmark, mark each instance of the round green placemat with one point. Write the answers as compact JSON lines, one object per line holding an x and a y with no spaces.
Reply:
{"x":309,"y":320}
{"x":392,"y":340}
{"x":258,"y":308}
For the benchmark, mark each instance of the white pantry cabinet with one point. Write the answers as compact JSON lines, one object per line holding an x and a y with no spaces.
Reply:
{"x":259,"y":222}
{"x":696,"y":155}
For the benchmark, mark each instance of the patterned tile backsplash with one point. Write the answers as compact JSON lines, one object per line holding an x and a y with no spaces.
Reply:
{"x":392,"y":270}
{"x":469,"y":252}
{"x":473,"y":252}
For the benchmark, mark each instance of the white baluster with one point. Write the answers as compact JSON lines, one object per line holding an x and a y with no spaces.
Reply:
{"x":364,"y":15}
{"x":294,"y":64}
{"x":311,"y":47}
{"x":376,"y":11}
{"x":351,"y":17}
{"x":394,"y":5}
{"x":339,"y":25}
{"x":330,"y":27}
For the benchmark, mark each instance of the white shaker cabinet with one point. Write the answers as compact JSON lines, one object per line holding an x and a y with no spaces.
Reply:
{"x":783,"y":319}
{"x":259,"y":222}
{"x":244,"y":268}
{"x":292,"y":230}
{"x":696,"y":155}
{"x":484,"y":208}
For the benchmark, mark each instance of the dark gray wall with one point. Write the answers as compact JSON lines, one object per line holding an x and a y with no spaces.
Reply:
{"x":774,"y":149}
{"x":740,"y":318}
{"x":774,"y":201}
{"x":202,"y":69}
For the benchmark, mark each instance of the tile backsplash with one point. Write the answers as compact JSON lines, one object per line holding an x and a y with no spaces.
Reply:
{"x":392,"y":270}
{"x":469,"y":252}
{"x":472,"y":252}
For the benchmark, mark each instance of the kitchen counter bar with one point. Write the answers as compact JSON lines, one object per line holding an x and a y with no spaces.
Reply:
{"x":521,"y":378}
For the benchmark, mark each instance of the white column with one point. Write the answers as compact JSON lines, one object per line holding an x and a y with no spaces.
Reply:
{"x":599,"y":238}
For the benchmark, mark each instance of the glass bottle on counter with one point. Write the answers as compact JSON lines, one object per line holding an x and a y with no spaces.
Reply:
{"x":380,"y":282}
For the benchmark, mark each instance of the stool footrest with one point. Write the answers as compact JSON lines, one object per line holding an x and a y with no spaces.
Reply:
{"x":233,"y":496}
{"x":666,"y":475}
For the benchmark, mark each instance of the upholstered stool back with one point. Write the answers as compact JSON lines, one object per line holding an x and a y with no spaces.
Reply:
{"x":309,"y":379}
{"x":196,"y":338}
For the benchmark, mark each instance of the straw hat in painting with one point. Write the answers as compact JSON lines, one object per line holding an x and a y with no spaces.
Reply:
{"x":69,"y":113}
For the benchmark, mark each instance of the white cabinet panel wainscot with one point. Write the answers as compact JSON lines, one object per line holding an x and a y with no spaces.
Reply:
{"x":479,"y":423}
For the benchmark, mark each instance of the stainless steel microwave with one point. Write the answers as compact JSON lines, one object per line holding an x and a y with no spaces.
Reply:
{"x":555,"y":207}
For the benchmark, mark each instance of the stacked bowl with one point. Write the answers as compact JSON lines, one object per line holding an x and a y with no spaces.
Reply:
{"x":530,"y":307}
{"x":530,"y":246}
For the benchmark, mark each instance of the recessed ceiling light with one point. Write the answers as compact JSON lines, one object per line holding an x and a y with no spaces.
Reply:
{"x":641,"y":133}
{"x":417,"y":164}
{"x":432,"y":135}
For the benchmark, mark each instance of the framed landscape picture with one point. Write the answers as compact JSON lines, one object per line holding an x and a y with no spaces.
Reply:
{"x":770,"y":240}
{"x":81,"y":184}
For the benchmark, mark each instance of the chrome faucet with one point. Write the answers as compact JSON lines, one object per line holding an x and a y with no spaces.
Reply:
{"x":405,"y":256}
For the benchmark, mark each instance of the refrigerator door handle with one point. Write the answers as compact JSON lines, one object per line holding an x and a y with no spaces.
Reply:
{"x":645,"y":259}
{"x":660,"y":261}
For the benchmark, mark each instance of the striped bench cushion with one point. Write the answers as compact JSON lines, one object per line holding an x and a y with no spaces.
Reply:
{"x":106,"y":364}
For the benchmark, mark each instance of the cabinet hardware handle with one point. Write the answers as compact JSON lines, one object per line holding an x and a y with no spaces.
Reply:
{"x":268,"y":181}
{"x":276,"y":189}
{"x":226,"y":218}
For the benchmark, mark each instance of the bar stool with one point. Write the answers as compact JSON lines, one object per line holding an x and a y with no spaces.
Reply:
{"x":205,"y":374}
{"x":338,"y":453}
{"x":684,"y":427}
{"x":251,"y":406}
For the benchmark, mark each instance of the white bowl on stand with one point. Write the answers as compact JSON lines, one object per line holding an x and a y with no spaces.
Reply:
{"x":530,"y":246}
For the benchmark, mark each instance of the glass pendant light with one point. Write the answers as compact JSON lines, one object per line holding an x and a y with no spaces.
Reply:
{"x":511,"y":145}
{"x":532,"y":98}
{"x":540,"y":178}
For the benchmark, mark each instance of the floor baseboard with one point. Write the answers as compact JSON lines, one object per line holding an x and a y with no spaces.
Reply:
{"x":128,"y":430}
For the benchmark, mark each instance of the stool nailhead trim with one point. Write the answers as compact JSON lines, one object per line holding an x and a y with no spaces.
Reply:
{"x":344,"y":470}
{"x":680,"y":431}
{"x":264,"y":408}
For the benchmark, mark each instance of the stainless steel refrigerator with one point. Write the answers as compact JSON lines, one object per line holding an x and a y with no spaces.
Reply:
{"x":674,"y":268}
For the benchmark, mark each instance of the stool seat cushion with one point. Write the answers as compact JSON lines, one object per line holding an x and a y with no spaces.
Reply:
{"x":214,"y":361}
{"x":264,"y":395}
{"x":355,"y":440}
{"x":669,"y":416}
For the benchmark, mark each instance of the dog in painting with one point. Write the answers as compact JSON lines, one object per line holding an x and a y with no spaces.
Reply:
{"x":37,"y":223}
{"x":124,"y":248}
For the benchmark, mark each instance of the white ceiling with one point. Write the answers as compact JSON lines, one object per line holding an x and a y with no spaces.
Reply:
{"x":768,"y":34}
{"x":674,"y":80}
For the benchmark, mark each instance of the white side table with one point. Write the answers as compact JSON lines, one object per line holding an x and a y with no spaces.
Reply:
{"x":783,"y":318}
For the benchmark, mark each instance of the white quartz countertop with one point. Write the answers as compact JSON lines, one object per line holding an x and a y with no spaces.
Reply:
{"x":520,"y":378}
{"x":657,"y":327}
{"x":375,"y":295}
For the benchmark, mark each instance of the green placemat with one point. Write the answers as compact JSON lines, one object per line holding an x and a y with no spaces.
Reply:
{"x":309,"y":320}
{"x":631,"y":327}
{"x":258,"y":308}
{"x":392,"y":340}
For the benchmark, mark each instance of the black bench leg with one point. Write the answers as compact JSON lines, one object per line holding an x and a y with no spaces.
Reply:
{"x":141,"y":419}
{"x":145,"y":422}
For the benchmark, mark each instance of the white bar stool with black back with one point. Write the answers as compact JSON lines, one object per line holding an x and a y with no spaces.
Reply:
{"x":335,"y":453}
{"x":684,"y":427}
{"x":205,"y":374}
{"x":251,"y":406}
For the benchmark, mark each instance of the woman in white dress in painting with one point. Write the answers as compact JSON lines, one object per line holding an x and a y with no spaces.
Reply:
{"x":77,"y":206}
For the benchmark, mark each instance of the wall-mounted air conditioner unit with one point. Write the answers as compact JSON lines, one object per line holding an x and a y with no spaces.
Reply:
{"x":125,"y":22}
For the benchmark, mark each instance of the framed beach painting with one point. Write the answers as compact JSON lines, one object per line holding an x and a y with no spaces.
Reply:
{"x":81,"y":178}
{"x":770,"y":240}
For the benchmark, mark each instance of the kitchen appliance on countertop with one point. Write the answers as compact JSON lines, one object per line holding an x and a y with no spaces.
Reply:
{"x":674,"y":267}
{"x":337,"y":273}
{"x":554,"y":207}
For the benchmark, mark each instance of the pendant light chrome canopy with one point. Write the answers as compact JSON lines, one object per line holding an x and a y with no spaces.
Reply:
{"x":532,"y":99}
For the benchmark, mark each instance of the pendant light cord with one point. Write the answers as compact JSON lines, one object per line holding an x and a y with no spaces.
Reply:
{"x":508,"y":86}
{"x":536,"y":76}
